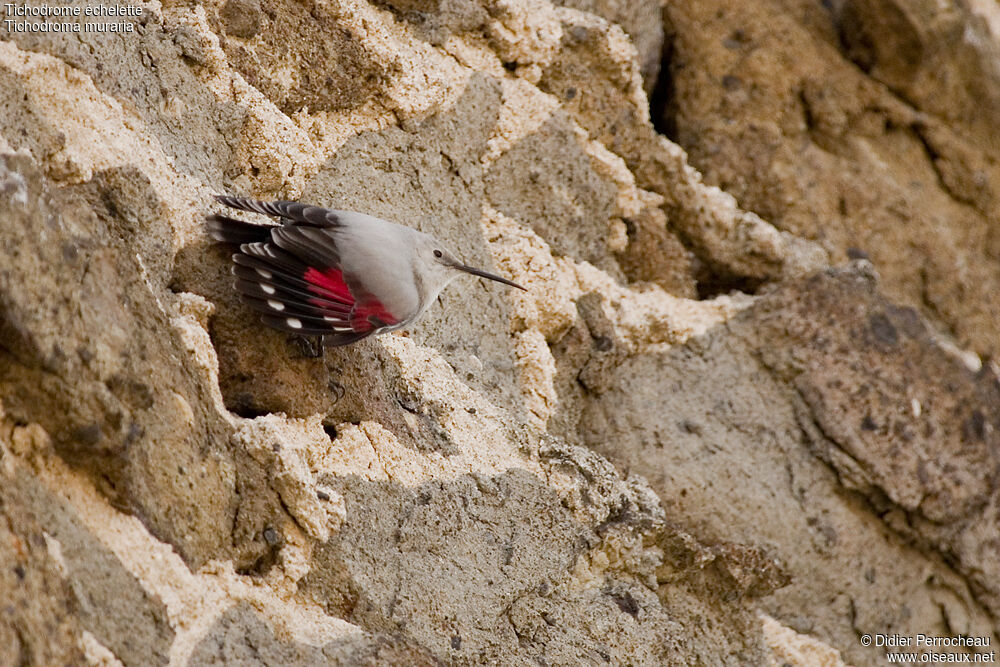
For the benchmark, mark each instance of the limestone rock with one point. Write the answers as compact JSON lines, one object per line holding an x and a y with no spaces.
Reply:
{"x":702,"y":436}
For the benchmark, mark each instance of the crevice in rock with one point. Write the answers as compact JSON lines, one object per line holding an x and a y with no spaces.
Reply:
{"x":263,"y":564}
{"x":934,"y":157}
{"x":246,"y":410}
{"x":712,"y":284}
{"x":662,"y":100}
{"x":855,"y":44}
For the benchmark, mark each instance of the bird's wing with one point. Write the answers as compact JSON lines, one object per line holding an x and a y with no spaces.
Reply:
{"x":230,"y":230}
{"x":296,"y":281}
{"x":291,"y":211}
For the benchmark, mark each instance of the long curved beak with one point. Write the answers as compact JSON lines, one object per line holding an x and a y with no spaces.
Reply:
{"x":486,"y":274}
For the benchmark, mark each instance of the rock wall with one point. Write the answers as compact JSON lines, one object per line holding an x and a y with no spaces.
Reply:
{"x":746,"y":412}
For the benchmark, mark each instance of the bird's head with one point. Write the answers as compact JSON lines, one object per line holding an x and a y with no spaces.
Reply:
{"x":445,"y":266}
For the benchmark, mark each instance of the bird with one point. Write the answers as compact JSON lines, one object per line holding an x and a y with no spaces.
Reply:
{"x":339,"y":275}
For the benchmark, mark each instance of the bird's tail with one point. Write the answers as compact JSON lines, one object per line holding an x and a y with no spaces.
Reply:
{"x":231,"y":230}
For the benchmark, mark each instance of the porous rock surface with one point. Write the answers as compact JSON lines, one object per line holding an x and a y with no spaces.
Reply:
{"x":745,"y":413}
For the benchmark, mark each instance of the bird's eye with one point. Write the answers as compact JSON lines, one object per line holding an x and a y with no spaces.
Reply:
{"x":437,"y":253}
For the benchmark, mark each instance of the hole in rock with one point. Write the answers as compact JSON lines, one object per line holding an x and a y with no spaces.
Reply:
{"x":246,"y":410}
{"x":713,"y":285}
{"x":662,"y":101}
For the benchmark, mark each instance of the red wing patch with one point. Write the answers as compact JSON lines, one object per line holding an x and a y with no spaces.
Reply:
{"x":367,"y":313}
{"x":329,"y":284}
{"x":370,"y":313}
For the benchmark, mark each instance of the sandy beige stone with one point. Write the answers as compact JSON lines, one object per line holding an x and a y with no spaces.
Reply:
{"x":700,"y":437}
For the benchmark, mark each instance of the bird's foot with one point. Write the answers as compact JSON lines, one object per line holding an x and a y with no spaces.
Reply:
{"x":336,"y":389}
{"x":310,"y":347}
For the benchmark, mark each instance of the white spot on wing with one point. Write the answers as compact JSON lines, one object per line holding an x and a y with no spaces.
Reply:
{"x":267,"y":288}
{"x":277,"y":305}
{"x":294,"y":322}
{"x":265,"y":273}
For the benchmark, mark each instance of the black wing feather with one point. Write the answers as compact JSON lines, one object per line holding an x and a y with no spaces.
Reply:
{"x":231,"y":230}
{"x":304,"y":314}
{"x":316,"y":216}
{"x":330,"y":339}
{"x":266,"y":271}
{"x":283,"y":280}
{"x":272,"y":264}
{"x":260,"y":289}
{"x":314,"y":246}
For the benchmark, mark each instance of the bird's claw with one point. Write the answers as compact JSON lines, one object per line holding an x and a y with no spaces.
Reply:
{"x":338,"y":390}
{"x":310,"y":347}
